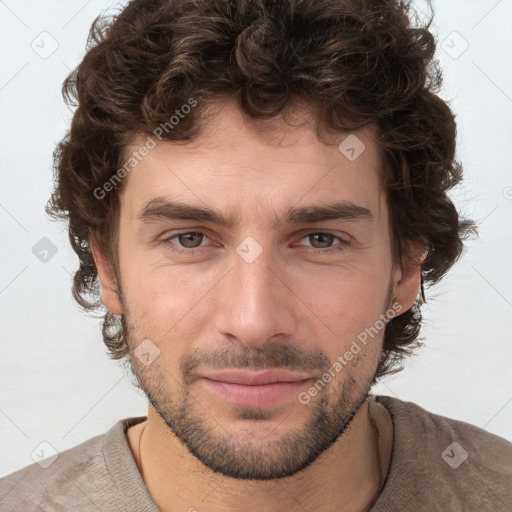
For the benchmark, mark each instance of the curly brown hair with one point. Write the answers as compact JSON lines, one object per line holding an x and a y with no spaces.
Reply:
{"x":357,"y":63}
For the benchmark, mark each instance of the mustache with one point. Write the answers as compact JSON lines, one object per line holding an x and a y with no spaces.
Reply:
{"x":281,"y":356}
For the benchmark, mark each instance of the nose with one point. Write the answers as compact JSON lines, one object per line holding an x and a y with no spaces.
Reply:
{"x":255,"y":301}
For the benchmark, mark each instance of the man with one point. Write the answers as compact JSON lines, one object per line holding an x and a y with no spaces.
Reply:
{"x":256,"y":191}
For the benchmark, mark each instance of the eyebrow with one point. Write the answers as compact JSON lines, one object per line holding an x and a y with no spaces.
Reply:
{"x":160,"y":208}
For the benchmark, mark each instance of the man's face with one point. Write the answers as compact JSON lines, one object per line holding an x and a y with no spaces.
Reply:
{"x":257,"y":295}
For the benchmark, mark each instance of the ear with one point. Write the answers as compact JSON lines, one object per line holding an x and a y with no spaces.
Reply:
{"x":406,"y":284}
{"x":109,"y":296}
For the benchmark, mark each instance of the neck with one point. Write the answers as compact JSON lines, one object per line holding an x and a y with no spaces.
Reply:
{"x":350,"y":472}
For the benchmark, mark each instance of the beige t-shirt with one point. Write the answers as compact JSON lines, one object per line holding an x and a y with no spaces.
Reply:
{"x":437,"y":464}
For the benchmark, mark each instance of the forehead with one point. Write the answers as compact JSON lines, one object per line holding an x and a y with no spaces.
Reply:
{"x":256,"y":166}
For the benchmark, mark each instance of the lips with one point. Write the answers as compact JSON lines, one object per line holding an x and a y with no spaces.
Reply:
{"x":251,"y":378}
{"x":255,"y":389}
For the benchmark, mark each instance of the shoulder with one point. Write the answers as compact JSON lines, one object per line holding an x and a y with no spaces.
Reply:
{"x":447,"y":461}
{"x":484,"y":447}
{"x":77,"y":479}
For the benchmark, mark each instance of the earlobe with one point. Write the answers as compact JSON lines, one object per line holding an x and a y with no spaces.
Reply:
{"x":407,"y":284}
{"x":109,"y":296}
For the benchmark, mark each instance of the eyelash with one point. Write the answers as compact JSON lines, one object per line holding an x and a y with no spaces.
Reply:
{"x":330,"y":250}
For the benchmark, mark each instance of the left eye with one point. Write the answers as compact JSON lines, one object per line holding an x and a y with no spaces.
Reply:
{"x":190,"y":240}
{"x":319,"y":236}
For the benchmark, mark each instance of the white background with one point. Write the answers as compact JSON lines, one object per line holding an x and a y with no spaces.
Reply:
{"x":56,"y":381}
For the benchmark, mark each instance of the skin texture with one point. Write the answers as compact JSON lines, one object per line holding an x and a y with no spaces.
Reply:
{"x":295,"y":307}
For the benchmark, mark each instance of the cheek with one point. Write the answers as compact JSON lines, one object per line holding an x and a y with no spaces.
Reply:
{"x":345,"y":309}
{"x":356,"y":289}
{"x":165,"y":301}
